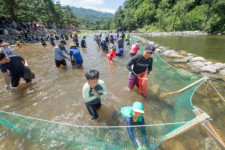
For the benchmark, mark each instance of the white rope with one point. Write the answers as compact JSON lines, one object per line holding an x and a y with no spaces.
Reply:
{"x":61,"y":123}
{"x":217,"y":92}
{"x":213,"y":134}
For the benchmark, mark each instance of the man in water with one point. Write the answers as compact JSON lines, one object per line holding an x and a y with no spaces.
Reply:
{"x":134,"y":115}
{"x":52,"y":40}
{"x":16,"y":66}
{"x":7,"y":49}
{"x":140,"y":63}
{"x":75,"y":56}
{"x":120,"y":42}
{"x":43,"y":42}
{"x":93,"y":91}
{"x":104,"y":45}
{"x":134,"y":49}
{"x":83,"y":42}
{"x":58,"y":54}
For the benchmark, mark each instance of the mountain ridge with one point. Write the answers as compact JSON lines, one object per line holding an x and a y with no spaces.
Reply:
{"x":90,"y":14}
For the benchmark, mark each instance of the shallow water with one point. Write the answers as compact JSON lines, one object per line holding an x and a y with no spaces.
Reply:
{"x":56,"y":94}
{"x":207,"y":46}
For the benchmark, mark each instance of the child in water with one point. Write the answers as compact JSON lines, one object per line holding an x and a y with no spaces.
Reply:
{"x":134,"y":115}
{"x":93,"y":91}
{"x":112,"y":54}
{"x":18,"y":44}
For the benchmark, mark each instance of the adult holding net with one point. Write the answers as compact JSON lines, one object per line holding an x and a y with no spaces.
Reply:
{"x":138,"y":66}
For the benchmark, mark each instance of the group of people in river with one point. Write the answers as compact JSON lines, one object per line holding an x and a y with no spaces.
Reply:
{"x":95,"y":89}
{"x":15,"y":67}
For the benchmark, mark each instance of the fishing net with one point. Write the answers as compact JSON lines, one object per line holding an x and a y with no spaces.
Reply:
{"x":179,"y":116}
{"x":143,"y":84}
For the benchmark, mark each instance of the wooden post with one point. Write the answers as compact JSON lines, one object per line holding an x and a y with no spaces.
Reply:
{"x":187,"y":126}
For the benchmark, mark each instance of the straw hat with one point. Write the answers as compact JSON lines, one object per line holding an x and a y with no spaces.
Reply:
{"x":73,"y":45}
{"x":4,"y":44}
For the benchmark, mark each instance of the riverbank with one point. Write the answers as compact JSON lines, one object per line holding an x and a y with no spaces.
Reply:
{"x":183,"y":60}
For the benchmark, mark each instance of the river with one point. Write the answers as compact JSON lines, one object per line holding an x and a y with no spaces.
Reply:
{"x":211,"y":47}
{"x":55,"y":95}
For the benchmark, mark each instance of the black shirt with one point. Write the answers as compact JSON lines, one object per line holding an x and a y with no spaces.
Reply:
{"x":83,"y":43}
{"x":15,"y":66}
{"x":140,"y":64}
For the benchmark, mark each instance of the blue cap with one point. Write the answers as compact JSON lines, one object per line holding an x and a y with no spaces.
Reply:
{"x":63,"y":41}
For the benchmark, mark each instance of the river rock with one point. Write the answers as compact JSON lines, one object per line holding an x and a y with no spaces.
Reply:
{"x":155,"y":89}
{"x":219,"y":66}
{"x":158,"y":50}
{"x":182,"y":52}
{"x":201,"y":59}
{"x":215,"y":100}
{"x":164,"y":115}
{"x":175,"y":55}
{"x":191,"y":143}
{"x":189,"y":54}
{"x":162,"y":48}
{"x":207,"y":63}
{"x":173,"y":145}
{"x":209,"y":144}
{"x":167,"y":53}
{"x":211,"y":69}
{"x":196,"y":65}
{"x":222,"y":72}
{"x":184,"y":60}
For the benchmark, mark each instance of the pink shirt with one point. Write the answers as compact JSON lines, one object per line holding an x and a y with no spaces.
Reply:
{"x":134,"y":49}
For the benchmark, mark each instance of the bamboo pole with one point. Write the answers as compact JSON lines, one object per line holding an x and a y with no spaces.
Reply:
{"x":185,"y":88}
{"x":187,"y":126}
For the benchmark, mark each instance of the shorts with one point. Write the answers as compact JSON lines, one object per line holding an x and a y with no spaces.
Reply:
{"x":92,"y":107}
{"x":43,"y":44}
{"x":52,"y":43}
{"x":15,"y":80}
{"x":132,"y":54}
{"x":60,"y":62}
{"x":132,"y":81}
{"x":79,"y":65}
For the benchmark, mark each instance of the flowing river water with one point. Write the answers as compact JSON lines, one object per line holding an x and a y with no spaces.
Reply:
{"x":208,"y":46}
{"x":56,"y":95}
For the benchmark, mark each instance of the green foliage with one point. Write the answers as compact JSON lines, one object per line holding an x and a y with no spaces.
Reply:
{"x":45,"y":11}
{"x":93,"y":20}
{"x":171,"y":15}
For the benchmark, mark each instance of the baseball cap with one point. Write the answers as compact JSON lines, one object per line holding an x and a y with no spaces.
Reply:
{"x":150,"y":48}
{"x":138,"y":107}
{"x":63,"y":41}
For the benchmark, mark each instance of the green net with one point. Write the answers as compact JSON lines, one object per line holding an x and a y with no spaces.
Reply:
{"x":179,"y":114}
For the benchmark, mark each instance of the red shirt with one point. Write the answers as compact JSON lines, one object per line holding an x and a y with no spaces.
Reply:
{"x":111,"y":55}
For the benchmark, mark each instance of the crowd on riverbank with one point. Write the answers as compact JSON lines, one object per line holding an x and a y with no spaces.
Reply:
{"x":32,"y":32}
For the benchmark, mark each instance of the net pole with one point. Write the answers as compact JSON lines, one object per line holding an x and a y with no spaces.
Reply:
{"x":185,"y":88}
{"x":217,"y":92}
{"x":213,"y":132}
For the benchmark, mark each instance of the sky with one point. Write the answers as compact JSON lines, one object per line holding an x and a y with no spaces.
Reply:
{"x":99,"y":5}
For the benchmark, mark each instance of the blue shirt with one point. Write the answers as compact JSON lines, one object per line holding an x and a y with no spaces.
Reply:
{"x":15,"y":66}
{"x":120,"y":51}
{"x":77,"y":56}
